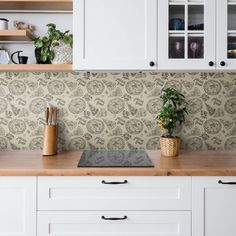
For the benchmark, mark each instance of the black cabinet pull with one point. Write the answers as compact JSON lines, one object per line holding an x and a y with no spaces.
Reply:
{"x":152,"y":63}
{"x":230,"y":183}
{"x":124,"y":182}
{"x":211,"y":63}
{"x":114,"y":218}
{"x":222,"y":63}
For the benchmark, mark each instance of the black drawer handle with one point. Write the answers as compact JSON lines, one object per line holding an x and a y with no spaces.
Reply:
{"x":124,"y":182}
{"x":231,"y":183}
{"x":114,"y":218}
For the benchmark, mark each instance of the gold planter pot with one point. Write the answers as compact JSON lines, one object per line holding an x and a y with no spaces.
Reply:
{"x":170,"y":146}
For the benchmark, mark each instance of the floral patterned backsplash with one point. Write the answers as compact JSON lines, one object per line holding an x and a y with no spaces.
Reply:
{"x":115,"y":110}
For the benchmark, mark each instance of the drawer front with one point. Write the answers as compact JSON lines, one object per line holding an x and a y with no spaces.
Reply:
{"x":114,"y":193}
{"x":91,"y":223}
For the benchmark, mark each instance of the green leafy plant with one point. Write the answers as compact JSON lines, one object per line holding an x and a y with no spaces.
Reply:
{"x":173,"y":111}
{"x":51,"y":39}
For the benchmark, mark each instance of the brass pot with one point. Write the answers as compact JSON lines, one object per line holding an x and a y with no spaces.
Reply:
{"x":170,"y":146}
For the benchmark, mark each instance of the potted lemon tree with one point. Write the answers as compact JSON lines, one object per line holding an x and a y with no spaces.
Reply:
{"x":172,"y":114}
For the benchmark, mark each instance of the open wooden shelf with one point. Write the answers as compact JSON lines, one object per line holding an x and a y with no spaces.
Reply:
{"x":36,"y":5}
{"x":16,"y":35}
{"x":36,"y":67}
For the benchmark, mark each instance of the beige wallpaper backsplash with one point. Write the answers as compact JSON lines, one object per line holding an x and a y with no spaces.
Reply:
{"x":115,"y":110}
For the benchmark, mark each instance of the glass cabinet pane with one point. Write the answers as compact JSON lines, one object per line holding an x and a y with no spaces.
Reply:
{"x":176,"y":17}
{"x":176,"y":47}
{"x":231,"y":50}
{"x":195,"y":47}
{"x":231,"y":47}
{"x":231,"y":17}
{"x":195,"y":17}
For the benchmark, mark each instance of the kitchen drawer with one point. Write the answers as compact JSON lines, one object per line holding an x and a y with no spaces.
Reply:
{"x":90,"y":223}
{"x":102,"y":193}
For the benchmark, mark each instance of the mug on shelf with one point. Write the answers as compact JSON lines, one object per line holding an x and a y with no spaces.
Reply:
{"x":176,"y":24}
{"x":21,"y":59}
{"x":4,"y":24}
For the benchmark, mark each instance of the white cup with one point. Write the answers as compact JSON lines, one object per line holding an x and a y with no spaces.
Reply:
{"x":3,"y":24}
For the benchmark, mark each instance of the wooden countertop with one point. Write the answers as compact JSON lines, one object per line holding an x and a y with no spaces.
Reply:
{"x":203,"y":163}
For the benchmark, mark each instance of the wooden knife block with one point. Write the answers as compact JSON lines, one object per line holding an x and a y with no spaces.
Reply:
{"x":50,"y":140}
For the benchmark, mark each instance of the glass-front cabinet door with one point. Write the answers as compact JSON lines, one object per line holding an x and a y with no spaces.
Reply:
{"x":226,"y":34}
{"x":186,"y":32}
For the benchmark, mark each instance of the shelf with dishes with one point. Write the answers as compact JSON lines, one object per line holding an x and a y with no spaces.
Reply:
{"x":25,"y":24}
{"x":16,"y":36}
{"x":188,"y":32}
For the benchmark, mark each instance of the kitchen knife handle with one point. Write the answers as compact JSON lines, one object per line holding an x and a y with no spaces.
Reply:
{"x":230,"y":183}
{"x":124,"y":182}
{"x":47,"y":115}
{"x":54,"y":115}
{"x":50,"y":115}
{"x":114,"y":218}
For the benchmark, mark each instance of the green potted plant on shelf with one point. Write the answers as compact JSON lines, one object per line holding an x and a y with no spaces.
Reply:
{"x":172,"y":114}
{"x":55,"y":47}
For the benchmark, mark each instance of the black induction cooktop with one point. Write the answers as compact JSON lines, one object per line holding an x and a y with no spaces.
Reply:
{"x":115,"y":158}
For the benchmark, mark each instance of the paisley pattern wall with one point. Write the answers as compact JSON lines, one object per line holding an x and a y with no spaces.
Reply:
{"x":115,"y":110}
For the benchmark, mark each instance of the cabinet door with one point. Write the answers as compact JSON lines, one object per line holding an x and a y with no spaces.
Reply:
{"x":115,"y":34}
{"x":18,"y":206}
{"x":214,"y":206}
{"x":114,"y":223}
{"x":186,"y":34}
{"x":226,"y":34}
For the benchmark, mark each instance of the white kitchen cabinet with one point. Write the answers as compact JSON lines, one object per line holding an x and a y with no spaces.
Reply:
{"x":114,"y":205}
{"x":114,"y":193}
{"x":115,"y":34}
{"x":226,"y":34}
{"x":214,"y":206}
{"x":186,"y":34}
{"x":18,"y":206}
{"x":114,"y":223}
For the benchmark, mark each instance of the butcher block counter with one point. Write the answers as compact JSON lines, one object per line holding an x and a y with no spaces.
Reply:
{"x":188,"y":163}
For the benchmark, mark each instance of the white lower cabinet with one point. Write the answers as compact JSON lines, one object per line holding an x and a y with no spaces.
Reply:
{"x":114,"y":223}
{"x":214,"y":206}
{"x":118,"y":205}
{"x":18,"y":206}
{"x":114,"y":193}
{"x":114,"y":206}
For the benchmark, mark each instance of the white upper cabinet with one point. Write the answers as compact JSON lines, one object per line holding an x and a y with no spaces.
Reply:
{"x":186,"y":34}
{"x":115,"y":34}
{"x":226,"y":34}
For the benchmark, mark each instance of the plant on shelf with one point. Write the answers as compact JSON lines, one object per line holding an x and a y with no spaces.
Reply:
{"x":172,"y":114}
{"x":55,"y":47}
